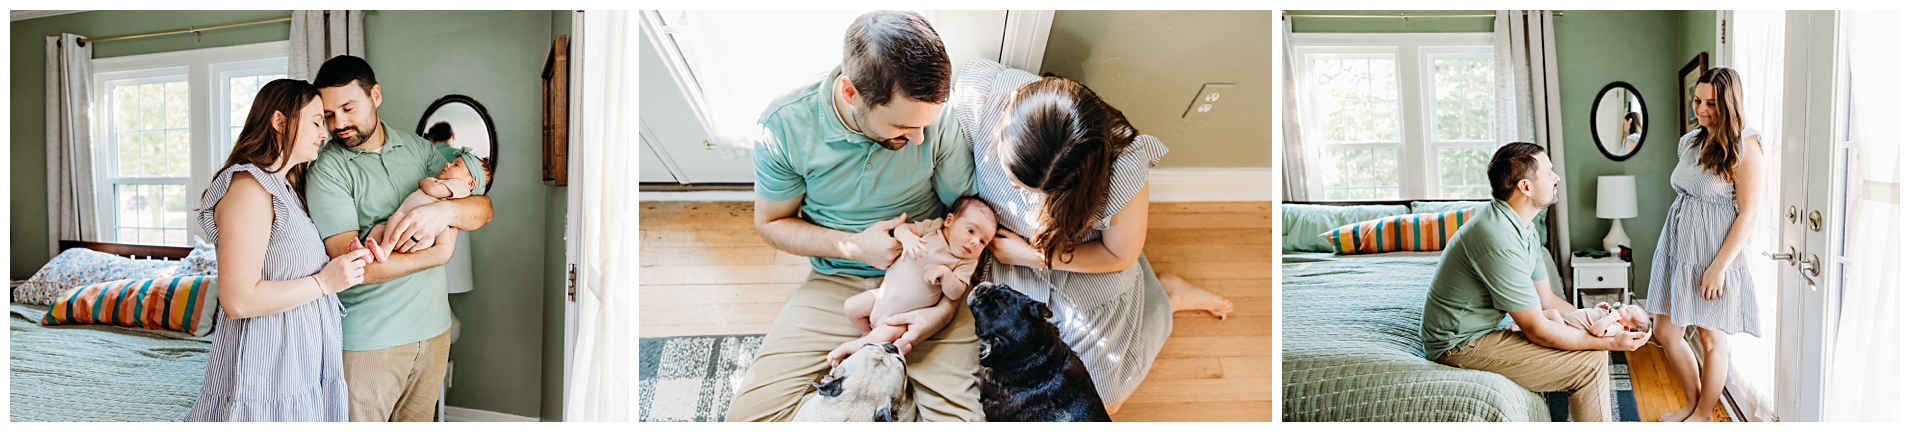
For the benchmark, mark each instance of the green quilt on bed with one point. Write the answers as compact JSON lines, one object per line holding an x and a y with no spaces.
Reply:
{"x":100,"y":373}
{"x":1350,"y":350}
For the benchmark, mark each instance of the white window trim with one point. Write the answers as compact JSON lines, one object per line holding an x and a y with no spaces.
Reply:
{"x":1418,"y":175}
{"x":204,"y":70}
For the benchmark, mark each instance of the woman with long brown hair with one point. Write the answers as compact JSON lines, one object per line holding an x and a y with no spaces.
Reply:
{"x":1067,"y":174}
{"x":278,"y":345}
{"x":1699,"y":275}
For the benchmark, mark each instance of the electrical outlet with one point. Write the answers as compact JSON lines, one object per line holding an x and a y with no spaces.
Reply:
{"x":1210,"y":98}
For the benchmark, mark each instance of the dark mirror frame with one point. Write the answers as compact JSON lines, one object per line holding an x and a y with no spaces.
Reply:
{"x":1642,"y":112}
{"x":489,"y":127}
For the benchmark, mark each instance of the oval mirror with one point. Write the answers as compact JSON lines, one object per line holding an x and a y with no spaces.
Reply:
{"x":1618,"y":121}
{"x":457,"y":121}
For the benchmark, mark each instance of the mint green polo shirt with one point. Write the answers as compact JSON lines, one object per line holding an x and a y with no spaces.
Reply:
{"x":348,"y":189}
{"x":1487,"y":270}
{"x":848,"y":181}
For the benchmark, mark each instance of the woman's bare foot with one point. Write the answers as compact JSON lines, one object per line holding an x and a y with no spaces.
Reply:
{"x":1184,"y":296}
{"x":1678,"y":416}
{"x":1704,"y":416}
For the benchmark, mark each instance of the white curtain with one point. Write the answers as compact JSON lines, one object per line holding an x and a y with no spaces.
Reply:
{"x":1865,"y":358}
{"x":1293,"y":150}
{"x":69,"y":150}
{"x":1756,"y":51}
{"x":1525,"y":58}
{"x":319,"y":35}
{"x":605,"y":237}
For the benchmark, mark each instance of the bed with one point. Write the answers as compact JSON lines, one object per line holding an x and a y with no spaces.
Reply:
{"x":1350,"y":348}
{"x":102,"y":373}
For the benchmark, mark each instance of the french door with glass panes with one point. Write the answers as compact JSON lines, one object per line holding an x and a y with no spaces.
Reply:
{"x":1838,"y":347}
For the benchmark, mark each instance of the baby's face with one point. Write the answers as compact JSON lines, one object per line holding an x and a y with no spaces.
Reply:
{"x":968,"y":233}
{"x":1635,"y":318}
{"x":457,"y":170}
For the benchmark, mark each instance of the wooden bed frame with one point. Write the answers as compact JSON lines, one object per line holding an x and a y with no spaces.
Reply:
{"x":129,"y":250}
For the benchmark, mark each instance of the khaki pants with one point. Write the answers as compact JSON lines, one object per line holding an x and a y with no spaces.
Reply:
{"x":794,"y":354}
{"x":1542,"y":369}
{"x":400,"y":383}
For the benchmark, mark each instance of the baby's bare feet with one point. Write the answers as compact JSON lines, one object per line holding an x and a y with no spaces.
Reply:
{"x":1184,"y":296}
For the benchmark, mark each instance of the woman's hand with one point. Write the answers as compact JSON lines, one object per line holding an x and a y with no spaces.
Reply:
{"x":1711,"y":286}
{"x":1009,"y":248}
{"x":343,"y":272}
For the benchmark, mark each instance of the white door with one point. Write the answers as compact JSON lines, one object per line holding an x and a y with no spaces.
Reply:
{"x":1835,"y":157}
{"x":707,"y":75}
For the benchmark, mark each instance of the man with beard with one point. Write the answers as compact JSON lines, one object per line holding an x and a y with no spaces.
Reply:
{"x":1493,"y":268}
{"x":844,"y":160}
{"x":397,"y":325}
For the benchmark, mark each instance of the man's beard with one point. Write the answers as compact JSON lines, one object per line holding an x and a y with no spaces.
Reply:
{"x":862,"y":122}
{"x":358,"y":136}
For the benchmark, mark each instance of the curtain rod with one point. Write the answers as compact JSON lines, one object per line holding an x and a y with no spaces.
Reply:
{"x":192,"y":29}
{"x":1403,"y":16}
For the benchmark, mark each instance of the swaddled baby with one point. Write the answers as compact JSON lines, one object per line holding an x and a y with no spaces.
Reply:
{"x":456,"y":180}
{"x":938,"y":260}
{"x":1603,"y":320}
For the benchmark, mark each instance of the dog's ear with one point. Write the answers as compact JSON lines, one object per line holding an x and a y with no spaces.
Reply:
{"x":1040,"y":310}
{"x":830,"y":385}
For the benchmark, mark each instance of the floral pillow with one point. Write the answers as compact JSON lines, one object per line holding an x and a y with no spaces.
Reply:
{"x":203,"y":261}
{"x":81,"y":267}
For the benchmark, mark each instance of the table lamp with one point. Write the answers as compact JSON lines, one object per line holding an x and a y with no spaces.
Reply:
{"x":1617,"y":199}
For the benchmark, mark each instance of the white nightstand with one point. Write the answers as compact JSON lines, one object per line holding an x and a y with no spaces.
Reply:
{"x":1608,"y":273}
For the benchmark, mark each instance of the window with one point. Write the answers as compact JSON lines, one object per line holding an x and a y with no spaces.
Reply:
{"x":1399,"y":116}
{"x":163,"y":123}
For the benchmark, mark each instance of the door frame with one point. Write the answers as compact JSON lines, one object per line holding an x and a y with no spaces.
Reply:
{"x":1812,"y":84}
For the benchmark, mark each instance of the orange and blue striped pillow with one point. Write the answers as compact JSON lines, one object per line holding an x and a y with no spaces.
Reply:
{"x":182,"y":304}
{"x":1417,"y":232}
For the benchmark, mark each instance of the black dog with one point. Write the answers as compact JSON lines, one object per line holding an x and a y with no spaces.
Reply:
{"x":1027,"y":372}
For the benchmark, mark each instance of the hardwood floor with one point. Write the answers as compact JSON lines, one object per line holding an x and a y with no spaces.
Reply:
{"x":1656,"y":388}
{"x":705,"y":272}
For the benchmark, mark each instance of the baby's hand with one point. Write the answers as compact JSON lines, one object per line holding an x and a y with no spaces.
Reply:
{"x":914,"y":249}
{"x":933,"y":276}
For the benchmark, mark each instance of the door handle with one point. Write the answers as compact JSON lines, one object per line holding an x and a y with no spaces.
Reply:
{"x":1809,"y":266}
{"x":1790,"y":258}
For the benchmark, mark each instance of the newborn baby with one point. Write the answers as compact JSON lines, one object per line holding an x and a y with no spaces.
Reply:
{"x":456,"y":180}
{"x":938,"y":260}
{"x":1603,"y":320}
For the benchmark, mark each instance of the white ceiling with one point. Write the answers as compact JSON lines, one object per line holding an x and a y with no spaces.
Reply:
{"x":31,"y":14}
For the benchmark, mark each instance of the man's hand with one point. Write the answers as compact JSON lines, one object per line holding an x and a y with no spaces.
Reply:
{"x":1628,"y":341}
{"x":406,"y":229}
{"x":924,"y":322}
{"x":874,"y":245}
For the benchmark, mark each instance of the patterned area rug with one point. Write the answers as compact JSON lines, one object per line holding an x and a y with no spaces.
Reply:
{"x":1624,"y":404}
{"x":691,"y":378}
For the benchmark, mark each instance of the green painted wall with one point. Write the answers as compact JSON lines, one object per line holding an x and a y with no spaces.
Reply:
{"x":27,"y":135}
{"x":495,"y":57}
{"x":556,"y":206}
{"x":1151,"y":64}
{"x":1644,"y":48}
{"x":1595,"y":48}
{"x":1390,"y":25}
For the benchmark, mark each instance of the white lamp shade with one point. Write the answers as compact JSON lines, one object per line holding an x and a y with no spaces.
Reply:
{"x":1617,"y":197}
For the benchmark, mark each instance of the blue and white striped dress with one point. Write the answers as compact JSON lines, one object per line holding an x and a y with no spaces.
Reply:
{"x":283,"y":367}
{"x":1694,"y":231}
{"x":1116,"y":321}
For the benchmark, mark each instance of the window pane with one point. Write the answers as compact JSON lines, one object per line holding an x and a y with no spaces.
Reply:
{"x":178,"y":153}
{"x":1462,"y":172}
{"x":151,"y":129}
{"x":1359,"y":174}
{"x":151,"y":214}
{"x":1358,"y":99}
{"x":243,"y":89}
{"x":126,"y":107}
{"x":1462,"y":99}
{"x":176,"y":107}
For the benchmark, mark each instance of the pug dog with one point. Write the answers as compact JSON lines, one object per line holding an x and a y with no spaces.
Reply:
{"x":1027,"y":372}
{"x":871,"y":385}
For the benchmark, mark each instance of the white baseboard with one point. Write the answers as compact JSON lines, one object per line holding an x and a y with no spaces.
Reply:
{"x":1168,"y":185}
{"x":456,"y":414}
{"x":1210,"y":184}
